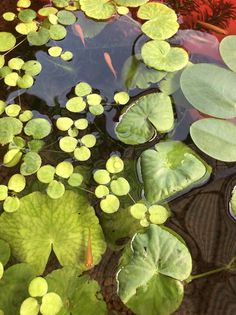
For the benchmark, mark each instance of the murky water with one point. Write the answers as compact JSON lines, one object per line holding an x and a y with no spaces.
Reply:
{"x":201,"y":216}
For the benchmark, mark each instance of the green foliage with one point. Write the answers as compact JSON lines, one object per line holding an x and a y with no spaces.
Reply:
{"x":232,"y":205}
{"x":166,"y":261}
{"x":227,"y":51}
{"x":7,"y":41}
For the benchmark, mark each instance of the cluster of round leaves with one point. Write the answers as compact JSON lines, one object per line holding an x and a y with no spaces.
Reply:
{"x":56,"y":51}
{"x":111,"y":186}
{"x":19,"y":73}
{"x":40,"y":300}
{"x":156,"y":214}
{"x":53,"y":176}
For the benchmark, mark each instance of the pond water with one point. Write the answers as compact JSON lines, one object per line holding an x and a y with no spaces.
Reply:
{"x":200,"y":216}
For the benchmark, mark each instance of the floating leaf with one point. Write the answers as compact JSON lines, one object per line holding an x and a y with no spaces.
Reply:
{"x":12,"y":157}
{"x":96,"y":110}
{"x":122,"y":10}
{"x":75,"y":179}
{"x":57,"y":32}
{"x":31,"y":163}
{"x":36,"y":145}
{"x":166,"y":261}
{"x":88,"y":140}
{"x":32,"y":67}
{"x":120,"y":186}
{"x":121,"y":98}
{"x":98,"y":9}
{"x":55,"y":189}
{"x":67,"y":56}
{"x":3,"y":193}
{"x":11,"y":79}
{"x":38,"y":38}
{"x":66,"y":17}
{"x":9,"y":127}
{"x":76,"y":104}
{"x":9,"y":16}
{"x":94,"y":99}
{"x":30,"y":306}
{"x":216,"y":138}
{"x":42,"y":223}
{"x":27,"y":15}
{"x":143,"y":117}
{"x":11,"y":204}
{"x":26,"y":116}
{"x":25,"y":82}
{"x":46,"y":11}
{"x":23,"y":3}
{"x":110,"y":204}
{"x":12,"y":110}
{"x":216,"y":86}
{"x":38,"y":128}
{"x":68,"y":144}
{"x":17,"y":183}
{"x":15,"y":63}
{"x":2,"y":61}
{"x":83,"y":89}
{"x":102,"y":177}
{"x":170,"y":168}
{"x":7,"y":41}
{"x":227,"y":51}
{"x":158,"y":214}
{"x":138,"y":211}
{"x":64,"y":169}
{"x":38,"y":287}
{"x":82,"y":153}
{"x":114,"y":164}
{"x":55,"y":51}
{"x":131,"y":3}
{"x":51,"y":304}
{"x":161,"y":56}
{"x":46,"y":174}
{"x":16,"y":279}
{"x":26,"y":28}
{"x":81,"y":123}
{"x":232,"y":206}
{"x":101,"y":191}
{"x":64,"y":123}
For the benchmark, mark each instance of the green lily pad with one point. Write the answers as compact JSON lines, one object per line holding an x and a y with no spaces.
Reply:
{"x":30,"y":306}
{"x":32,"y":67}
{"x":11,"y":79}
{"x":100,"y":191}
{"x":166,"y":261}
{"x":27,"y":15}
{"x":23,"y":3}
{"x":9,"y":16}
{"x":17,"y":183}
{"x":36,"y":145}
{"x":64,"y":169}
{"x":7,"y":41}
{"x":67,"y":56}
{"x":51,"y":304}
{"x":83,"y":89}
{"x":98,"y":9}
{"x":216,"y":138}
{"x":25,"y":82}
{"x":135,"y":74}
{"x":12,"y":157}
{"x":38,"y":38}
{"x":55,"y":189}
{"x":66,"y":17}
{"x":170,"y":168}
{"x":138,"y":210}
{"x":81,"y":293}
{"x":57,"y":32}
{"x":12,"y":110}
{"x":15,"y":63}
{"x":55,"y":51}
{"x":150,"y":113}
{"x":46,"y":174}
{"x":76,"y":104}
{"x":81,"y":123}
{"x":26,"y":28}
{"x":158,"y":214}
{"x":131,"y":3}
{"x":38,"y":287}
{"x":161,"y":56}
{"x":114,"y":164}
{"x":227,"y":51}
{"x":75,"y":179}
{"x":94,"y":99}
{"x":31,"y":163}
{"x":46,"y":11}
{"x":217,"y":96}
{"x":5,"y":252}
{"x":13,"y":287}
{"x":121,"y":98}
{"x":64,"y":123}
{"x":162,"y":20}
{"x":11,"y":204}
{"x":82,"y":153}
{"x":38,"y":128}
{"x":68,"y":144}
{"x":42,"y":224}
{"x":9,"y":127}
{"x":110,"y":204}
{"x":102,"y":177}
{"x":89,"y":140}
{"x":120,"y":186}
{"x":3,"y":193}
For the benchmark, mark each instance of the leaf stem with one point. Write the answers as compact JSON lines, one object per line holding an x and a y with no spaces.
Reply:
{"x":131,"y":198}
{"x":15,"y":46}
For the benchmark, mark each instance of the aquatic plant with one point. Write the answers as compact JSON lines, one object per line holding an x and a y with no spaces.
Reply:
{"x":68,"y":195}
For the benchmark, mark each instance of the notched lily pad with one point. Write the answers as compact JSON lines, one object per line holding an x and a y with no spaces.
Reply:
{"x":9,"y":127}
{"x":150,"y":113}
{"x":166,"y":261}
{"x":38,"y":128}
{"x":170,"y":168}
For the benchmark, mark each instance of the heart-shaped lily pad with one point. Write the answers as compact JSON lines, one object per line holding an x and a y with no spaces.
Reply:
{"x":170,"y":168}
{"x":162,"y":20}
{"x":42,"y":224}
{"x":161,"y":56}
{"x":210,"y":89}
{"x":150,"y":113}
{"x":98,"y":9}
{"x":38,"y":128}
{"x":39,"y":38}
{"x":166,"y":262}
{"x":31,"y":163}
{"x":9,"y":127}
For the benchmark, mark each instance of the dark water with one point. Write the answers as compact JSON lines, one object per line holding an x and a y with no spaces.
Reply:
{"x":201,"y":216}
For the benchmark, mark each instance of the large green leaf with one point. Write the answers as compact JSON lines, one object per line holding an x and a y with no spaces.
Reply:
{"x":80,"y":294}
{"x":42,"y":224}
{"x":98,"y":9}
{"x":161,"y":56}
{"x":210,"y":89}
{"x":143,"y":117}
{"x":9,"y":127}
{"x":5,"y":252}
{"x":131,"y":3}
{"x":228,"y":52}
{"x":170,"y":168}
{"x":162,"y":20}
{"x":152,"y":268}
{"x":135,"y":74}
{"x":14,"y":287}
{"x":216,"y":138}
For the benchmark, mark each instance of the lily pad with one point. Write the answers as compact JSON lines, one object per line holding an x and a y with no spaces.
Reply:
{"x":150,"y":113}
{"x":81,"y":293}
{"x":7,"y":41}
{"x":42,"y":224}
{"x":166,"y":261}
{"x":227,"y":51}
{"x":98,"y":9}
{"x":131,"y":3}
{"x":210,"y":89}
{"x":170,"y":168}
{"x":38,"y":38}
{"x":161,"y":56}
{"x":55,"y":189}
{"x":57,"y":32}
{"x":162,"y":20}
{"x":31,"y":163}
{"x":135,"y":74}
{"x":13,"y":287}
{"x":38,"y":128}
{"x":9,"y":127}
{"x":216,"y":138}
{"x":66,"y":17}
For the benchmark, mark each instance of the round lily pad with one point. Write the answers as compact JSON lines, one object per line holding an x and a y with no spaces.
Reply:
{"x":30,"y":306}
{"x":64,"y":123}
{"x":12,"y":157}
{"x":55,"y":189}
{"x":55,"y":51}
{"x":11,"y":79}
{"x":75,"y":180}
{"x":38,"y":38}
{"x":27,"y":15}
{"x":67,"y":55}
{"x":73,"y":132}
{"x":170,"y":168}
{"x":9,"y":127}
{"x":12,"y":110}
{"x":31,"y":163}
{"x":11,"y":204}
{"x":57,"y":32}
{"x":68,"y":144}
{"x":38,"y":128}
{"x":161,"y":56}
{"x":138,"y":211}
{"x":83,"y":89}
{"x":216,"y":138}
{"x":217,"y":96}
{"x":32,"y":67}
{"x":96,"y":110}
{"x":82,"y":153}
{"x":46,"y":174}
{"x":81,"y":123}
{"x":17,"y":183}
{"x":26,"y":116}
{"x":94,"y":99}
{"x":143,"y":117}
{"x":23,"y":3}
{"x":88,"y":140}
{"x":7,"y":41}
{"x":51,"y":304}
{"x":101,"y":177}
{"x":25,"y":82}
{"x":9,"y":16}
{"x":114,"y":164}
{"x":120,"y":186}
{"x":38,"y":287}
{"x":76,"y":104}
{"x":122,"y":10}
{"x":101,"y":191}
{"x":66,"y":18}
{"x":64,"y":169}
{"x":131,"y":3}
{"x":46,"y":11}
{"x":3,"y":193}
{"x":110,"y":204}
{"x":15,"y":63}
{"x":98,"y":9}
{"x":26,"y":28}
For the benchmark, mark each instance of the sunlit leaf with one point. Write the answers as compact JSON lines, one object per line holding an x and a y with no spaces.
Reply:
{"x":7,"y":41}
{"x":38,"y":128}
{"x":66,"y":17}
{"x":83,"y":89}
{"x":31,"y":163}
{"x":98,"y":9}
{"x":9,"y":127}
{"x":110,"y":204}
{"x":46,"y":174}
{"x":16,"y":183}
{"x":57,"y":32}
{"x":11,"y":204}
{"x":82,"y":153}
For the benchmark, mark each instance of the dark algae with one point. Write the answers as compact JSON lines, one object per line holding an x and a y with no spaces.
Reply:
{"x":118,"y":151}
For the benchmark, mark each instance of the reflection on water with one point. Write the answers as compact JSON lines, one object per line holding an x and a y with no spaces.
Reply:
{"x":200,"y":216}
